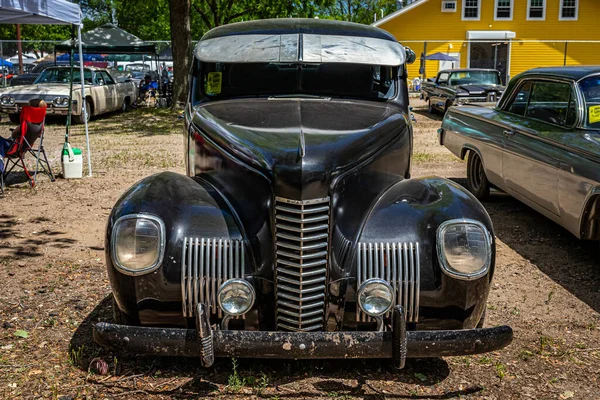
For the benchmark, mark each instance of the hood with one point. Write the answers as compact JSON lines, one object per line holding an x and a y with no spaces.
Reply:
{"x":302,"y":144}
{"x":480,"y":89}
{"x":46,"y":92}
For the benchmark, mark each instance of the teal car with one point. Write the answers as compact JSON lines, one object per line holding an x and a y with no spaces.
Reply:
{"x":540,"y":144}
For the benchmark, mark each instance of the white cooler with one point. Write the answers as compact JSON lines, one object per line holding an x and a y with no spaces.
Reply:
{"x":72,"y":162}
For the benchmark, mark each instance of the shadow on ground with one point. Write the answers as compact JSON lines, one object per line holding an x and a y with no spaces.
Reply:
{"x":23,"y":247}
{"x":570,"y":262}
{"x":360,"y":375}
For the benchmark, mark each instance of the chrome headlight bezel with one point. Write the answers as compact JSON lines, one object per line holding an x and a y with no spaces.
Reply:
{"x":228,"y":284}
{"x":366,"y":286}
{"x":5,"y":100}
{"x":161,"y":247}
{"x":449,"y":269}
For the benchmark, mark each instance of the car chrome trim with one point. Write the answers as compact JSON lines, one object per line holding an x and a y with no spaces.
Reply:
{"x":301,"y":259}
{"x":161,"y":250}
{"x":230,"y":282}
{"x":448,"y":270}
{"x":206,"y":263}
{"x":397,"y":263}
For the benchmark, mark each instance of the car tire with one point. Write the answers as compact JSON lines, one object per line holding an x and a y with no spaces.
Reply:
{"x":477,"y":181}
{"x":80,"y":119}
{"x":15,"y":118}
{"x":119,"y":316}
{"x":481,"y":320}
{"x":430,"y":107}
{"x":125,"y":105}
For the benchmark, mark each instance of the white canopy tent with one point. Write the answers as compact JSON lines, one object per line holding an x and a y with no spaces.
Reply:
{"x":49,"y":12}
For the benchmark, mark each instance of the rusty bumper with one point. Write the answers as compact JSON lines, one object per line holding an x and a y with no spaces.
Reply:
{"x":207,"y":344}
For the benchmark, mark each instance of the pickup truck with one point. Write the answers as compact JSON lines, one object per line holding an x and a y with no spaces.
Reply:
{"x":462,"y":86}
{"x":102,"y":93}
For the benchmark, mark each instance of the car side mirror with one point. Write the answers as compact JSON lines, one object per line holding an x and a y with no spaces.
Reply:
{"x":410,"y":55}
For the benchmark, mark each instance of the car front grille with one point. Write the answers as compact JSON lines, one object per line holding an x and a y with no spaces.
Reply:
{"x":301,"y":256}
{"x":205,"y":264}
{"x":396,"y":263}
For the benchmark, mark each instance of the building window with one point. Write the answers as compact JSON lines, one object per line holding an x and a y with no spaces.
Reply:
{"x":471,"y":10}
{"x":569,"y":10}
{"x":536,"y":10}
{"x":503,"y":10}
{"x":449,"y":6}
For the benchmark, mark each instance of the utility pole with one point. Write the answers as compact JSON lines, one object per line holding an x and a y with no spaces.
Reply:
{"x":19,"y":49}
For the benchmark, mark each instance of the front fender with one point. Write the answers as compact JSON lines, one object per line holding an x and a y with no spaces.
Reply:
{"x":189,"y":208}
{"x":411,"y":211}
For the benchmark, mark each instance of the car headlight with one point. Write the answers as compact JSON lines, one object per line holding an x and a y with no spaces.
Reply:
{"x":138,"y":244}
{"x":11,"y":101}
{"x":375,"y":297}
{"x":5,"y":100}
{"x":236,"y":297}
{"x":464,"y":248}
{"x":65,"y":101}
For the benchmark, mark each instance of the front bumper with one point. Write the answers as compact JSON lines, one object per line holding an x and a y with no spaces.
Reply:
{"x":207,"y":343}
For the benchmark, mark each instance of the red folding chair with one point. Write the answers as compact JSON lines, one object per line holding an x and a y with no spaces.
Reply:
{"x":32,"y":129}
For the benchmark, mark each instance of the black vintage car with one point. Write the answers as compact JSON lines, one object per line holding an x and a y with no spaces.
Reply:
{"x":457,"y":87}
{"x":297,"y":231}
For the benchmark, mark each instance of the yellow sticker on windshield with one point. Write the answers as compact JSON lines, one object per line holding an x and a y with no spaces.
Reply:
{"x":594,"y":114}
{"x":213,"y":82}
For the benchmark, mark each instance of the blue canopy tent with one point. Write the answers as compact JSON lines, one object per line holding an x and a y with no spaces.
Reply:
{"x":5,"y":63}
{"x":440,"y":57}
{"x":49,"y":12}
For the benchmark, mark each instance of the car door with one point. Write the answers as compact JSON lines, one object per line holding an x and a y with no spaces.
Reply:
{"x":100,"y":92}
{"x":112,"y":102}
{"x":532,"y":147}
{"x":438,"y":99}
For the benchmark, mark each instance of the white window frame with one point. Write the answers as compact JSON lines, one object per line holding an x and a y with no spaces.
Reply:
{"x":512,"y":6}
{"x":447,"y":2}
{"x":543,"y":18}
{"x":560,"y":10}
{"x":464,"y":4}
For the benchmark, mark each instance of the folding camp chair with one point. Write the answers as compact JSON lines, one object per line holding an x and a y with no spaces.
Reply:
{"x":31,"y":129}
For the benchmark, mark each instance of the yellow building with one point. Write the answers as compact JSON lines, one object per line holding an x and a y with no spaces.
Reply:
{"x":509,"y":35}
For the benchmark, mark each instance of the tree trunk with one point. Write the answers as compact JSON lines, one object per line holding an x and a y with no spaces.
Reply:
{"x":182,"y":48}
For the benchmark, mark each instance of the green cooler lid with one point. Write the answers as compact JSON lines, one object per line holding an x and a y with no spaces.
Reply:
{"x":76,"y":151}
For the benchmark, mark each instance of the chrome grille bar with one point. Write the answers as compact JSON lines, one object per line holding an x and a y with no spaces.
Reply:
{"x":397,"y":263}
{"x":301,"y":257}
{"x":206,"y":264}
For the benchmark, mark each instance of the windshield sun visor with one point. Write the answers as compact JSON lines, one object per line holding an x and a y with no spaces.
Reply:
{"x":301,"y":48}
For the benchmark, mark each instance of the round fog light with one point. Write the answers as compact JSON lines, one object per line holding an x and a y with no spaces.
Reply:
{"x":375,"y":297}
{"x":236,"y":297}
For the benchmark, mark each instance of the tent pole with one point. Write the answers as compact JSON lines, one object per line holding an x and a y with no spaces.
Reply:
{"x":83,"y":110}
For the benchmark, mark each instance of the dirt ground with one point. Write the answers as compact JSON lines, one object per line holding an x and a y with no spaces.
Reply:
{"x":53,"y":287}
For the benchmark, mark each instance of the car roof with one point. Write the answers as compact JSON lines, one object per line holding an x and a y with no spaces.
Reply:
{"x":282,"y":26}
{"x":468,"y":70}
{"x":76,"y":67}
{"x":572,"y":72}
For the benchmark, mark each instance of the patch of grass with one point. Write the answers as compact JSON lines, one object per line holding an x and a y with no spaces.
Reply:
{"x":76,"y":356}
{"x":235,"y":382}
{"x":485,"y":360}
{"x":550,"y":296}
{"x":500,"y":370}
{"x":526,"y":355}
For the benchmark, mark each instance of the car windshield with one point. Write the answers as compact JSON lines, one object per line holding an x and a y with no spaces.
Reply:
{"x":474,"y":78}
{"x":590,"y":87}
{"x":216,"y":81}
{"x":62,"y":75}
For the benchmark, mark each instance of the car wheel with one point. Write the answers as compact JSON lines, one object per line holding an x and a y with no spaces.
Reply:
{"x":430,"y":107}
{"x":119,"y":316}
{"x":477,"y":181}
{"x":14,"y":118}
{"x":80,"y":119}
{"x":125,"y":105}
{"x":481,"y":320}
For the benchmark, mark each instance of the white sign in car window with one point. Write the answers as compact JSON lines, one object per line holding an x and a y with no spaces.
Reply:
{"x":313,"y":48}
